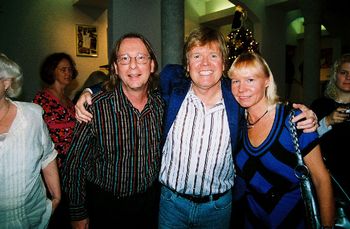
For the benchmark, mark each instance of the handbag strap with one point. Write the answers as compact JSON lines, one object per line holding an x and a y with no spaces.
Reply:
{"x":301,"y":170}
{"x":340,"y":188}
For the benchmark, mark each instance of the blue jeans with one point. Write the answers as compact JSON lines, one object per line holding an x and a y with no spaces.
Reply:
{"x":178,"y":212}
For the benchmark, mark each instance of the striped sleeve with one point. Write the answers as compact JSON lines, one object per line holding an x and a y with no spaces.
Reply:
{"x":74,"y":172}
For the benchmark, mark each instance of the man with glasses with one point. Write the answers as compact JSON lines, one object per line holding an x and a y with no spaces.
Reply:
{"x":113,"y":162}
{"x":202,"y":129}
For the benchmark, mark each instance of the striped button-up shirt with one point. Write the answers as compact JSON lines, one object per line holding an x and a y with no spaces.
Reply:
{"x":119,"y":150}
{"x":197,"y":157}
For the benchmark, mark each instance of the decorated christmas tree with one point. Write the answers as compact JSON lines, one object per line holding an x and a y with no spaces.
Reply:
{"x":240,"y":39}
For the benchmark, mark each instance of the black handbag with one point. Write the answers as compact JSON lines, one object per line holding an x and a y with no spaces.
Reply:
{"x":306,"y":186}
{"x":308,"y":193}
{"x":341,"y":219}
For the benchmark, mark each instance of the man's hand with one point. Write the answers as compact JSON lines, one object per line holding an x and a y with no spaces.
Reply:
{"x":81,"y":114}
{"x":81,"y":224}
{"x":310,"y":123}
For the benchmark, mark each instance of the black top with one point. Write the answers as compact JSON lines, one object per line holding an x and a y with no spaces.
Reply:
{"x":335,"y":144}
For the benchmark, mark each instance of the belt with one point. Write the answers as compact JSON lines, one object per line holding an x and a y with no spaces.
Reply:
{"x":200,"y":199}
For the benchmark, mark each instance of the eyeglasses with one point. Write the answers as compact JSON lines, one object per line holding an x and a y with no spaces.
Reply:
{"x":65,"y":69}
{"x":140,"y":59}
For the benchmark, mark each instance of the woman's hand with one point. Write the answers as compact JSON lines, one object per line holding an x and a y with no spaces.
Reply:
{"x":337,"y":116}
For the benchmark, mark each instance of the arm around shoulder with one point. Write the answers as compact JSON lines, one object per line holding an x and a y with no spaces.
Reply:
{"x":306,"y":120}
{"x":81,"y":114}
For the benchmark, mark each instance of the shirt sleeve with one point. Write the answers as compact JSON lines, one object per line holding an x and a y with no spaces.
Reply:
{"x":74,"y":170}
{"x":94,"y":89}
{"x":323,"y":128}
{"x":308,"y":141}
{"x":49,"y":152}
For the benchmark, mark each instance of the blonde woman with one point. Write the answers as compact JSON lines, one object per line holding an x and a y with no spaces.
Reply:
{"x":333,"y":111}
{"x":267,"y":158}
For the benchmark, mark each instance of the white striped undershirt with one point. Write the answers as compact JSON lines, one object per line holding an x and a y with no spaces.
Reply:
{"x":197,"y":155}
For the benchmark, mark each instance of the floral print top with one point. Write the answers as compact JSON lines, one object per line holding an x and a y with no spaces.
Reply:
{"x":60,"y":120}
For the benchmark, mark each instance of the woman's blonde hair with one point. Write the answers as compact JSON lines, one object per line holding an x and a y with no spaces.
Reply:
{"x":254,"y":60}
{"x":332,"y":90}
{"x":11,"y":70}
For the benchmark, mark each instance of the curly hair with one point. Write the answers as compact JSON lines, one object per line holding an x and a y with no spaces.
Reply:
{"x":332,"y":90}
{"x":47,"y":70}
{"x":11,"y":70}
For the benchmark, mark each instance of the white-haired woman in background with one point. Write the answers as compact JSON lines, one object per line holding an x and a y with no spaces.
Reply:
{"x":26,"y":152}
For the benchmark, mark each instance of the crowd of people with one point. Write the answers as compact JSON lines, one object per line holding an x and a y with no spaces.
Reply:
{"x":170,"y":151}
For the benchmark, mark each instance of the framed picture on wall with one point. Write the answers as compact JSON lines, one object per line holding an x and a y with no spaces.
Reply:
{"x":326,"y":57}
{"x":325,"y":62}
{"x":86,"y":39}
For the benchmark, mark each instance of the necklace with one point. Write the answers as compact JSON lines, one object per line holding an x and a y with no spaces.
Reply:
{"x":251,"y":125}
{"x":8,"y":108}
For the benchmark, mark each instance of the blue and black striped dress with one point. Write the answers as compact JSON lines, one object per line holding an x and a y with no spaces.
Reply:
{"x":273,"y":198}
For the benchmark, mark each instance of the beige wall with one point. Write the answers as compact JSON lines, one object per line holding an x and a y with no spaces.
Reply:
{"x":33,"y":29}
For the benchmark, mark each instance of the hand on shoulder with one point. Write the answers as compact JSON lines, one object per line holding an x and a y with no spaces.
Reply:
{"x":306,"y":120}
{"x":81,"y":114}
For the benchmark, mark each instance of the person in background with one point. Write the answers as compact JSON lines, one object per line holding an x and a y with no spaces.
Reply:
{"x":27,"y":157}
{"x":96,"y":77}
{"x":333,"y":111}
{"x":267,"y":158}
{"x":112,"y":167}
{"x":202,"y":129}
{"x":57,"y":72}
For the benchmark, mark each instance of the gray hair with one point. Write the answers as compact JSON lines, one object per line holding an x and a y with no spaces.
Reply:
{"x":10,"y":70}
